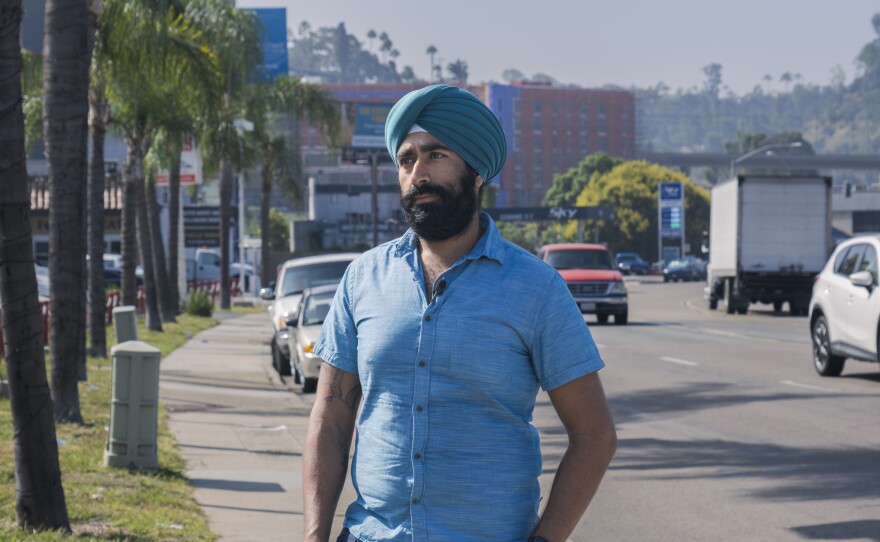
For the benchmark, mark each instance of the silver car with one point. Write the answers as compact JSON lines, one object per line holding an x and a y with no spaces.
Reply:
{"x":294,"y":277}
{"x":305,"y":328}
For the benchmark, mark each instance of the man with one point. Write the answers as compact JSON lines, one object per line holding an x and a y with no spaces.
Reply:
{"x":447,"y":333}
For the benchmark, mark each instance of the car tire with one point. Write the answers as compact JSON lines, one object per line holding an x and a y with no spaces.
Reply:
{"x":309,"y":385}
{"x":777,"y":306}
{"x":602,"y":318}
{"x":297,"y":377}
{"x":742,"y":309}
{"x":622,"y":318}
{"x":825,"y":363}
{"x":283,"y":364}
{"x":713,"y":303}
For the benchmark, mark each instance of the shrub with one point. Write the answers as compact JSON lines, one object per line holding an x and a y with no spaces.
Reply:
{"x":199,"y":304}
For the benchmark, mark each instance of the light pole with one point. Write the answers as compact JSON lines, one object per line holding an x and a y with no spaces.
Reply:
{"x":760,"y":150}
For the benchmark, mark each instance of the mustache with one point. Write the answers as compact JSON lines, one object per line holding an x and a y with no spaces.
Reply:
{"x":428,"y":188}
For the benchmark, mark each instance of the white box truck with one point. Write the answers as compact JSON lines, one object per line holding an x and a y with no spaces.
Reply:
{"x":769,"y":236}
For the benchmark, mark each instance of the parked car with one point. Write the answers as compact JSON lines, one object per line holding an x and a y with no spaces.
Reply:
{"x":631,"y":263}
{"x":305,"y":327}
{"x":592,"y":278}
{"x":294,"y":277}
{"x":681,"y":270}
{"x":845,"y":307}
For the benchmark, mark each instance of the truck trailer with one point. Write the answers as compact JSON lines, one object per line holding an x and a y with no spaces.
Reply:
{"x":769,"y":236}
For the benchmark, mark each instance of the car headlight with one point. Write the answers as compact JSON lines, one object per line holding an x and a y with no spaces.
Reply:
{"x":309,"y":347}
{"x":617,"y":288}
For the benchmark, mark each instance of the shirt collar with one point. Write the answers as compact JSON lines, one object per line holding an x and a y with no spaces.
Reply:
{"x":490,"y":244}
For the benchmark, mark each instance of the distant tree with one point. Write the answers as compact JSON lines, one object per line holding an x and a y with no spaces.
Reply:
{"x":568,"y":186}
{"x":544,"y":78}
{"x":279,"y":232}
{"x":431,"y":51}
{"x":371,"y":35}
{"x":458,"y":71}
{"x":438,"y":73}
{"x":712,"y":84}
{"x":386,"y":46}
{"x":512,"y":75}
{"x":407,"y":74}
{"x":630,"y":189}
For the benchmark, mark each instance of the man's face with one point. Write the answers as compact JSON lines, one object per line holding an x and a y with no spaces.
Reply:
{"x":438,"y":192}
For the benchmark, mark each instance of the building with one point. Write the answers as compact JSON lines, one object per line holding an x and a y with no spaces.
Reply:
{"x":551,"y":129}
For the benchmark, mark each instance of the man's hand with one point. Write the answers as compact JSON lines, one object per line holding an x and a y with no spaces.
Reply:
{"x":325,"y":458}
{"x":592,"y":441}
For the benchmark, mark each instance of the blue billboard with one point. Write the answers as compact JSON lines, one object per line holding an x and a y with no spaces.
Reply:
{"x":369,"y":125}
{"x":273,"y":41}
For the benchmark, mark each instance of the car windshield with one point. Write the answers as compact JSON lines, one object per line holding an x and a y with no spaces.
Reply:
{"x":297,"y":279}
{"x":627,"y":257}
{"x":316,"y":308}
{"x":580,"y":259}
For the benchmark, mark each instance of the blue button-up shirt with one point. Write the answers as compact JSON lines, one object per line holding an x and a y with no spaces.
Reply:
{"x":445,"y":449}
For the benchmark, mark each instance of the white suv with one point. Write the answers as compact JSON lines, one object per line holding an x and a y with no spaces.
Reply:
{"x":294,"y":277}
{"x":845,"y":308}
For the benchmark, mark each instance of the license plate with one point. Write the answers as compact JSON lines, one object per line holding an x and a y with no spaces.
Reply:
{"x":588,"y":306}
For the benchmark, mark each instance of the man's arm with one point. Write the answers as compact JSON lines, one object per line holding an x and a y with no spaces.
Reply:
{"x":592,"y":441}
{"x":325,"y":458}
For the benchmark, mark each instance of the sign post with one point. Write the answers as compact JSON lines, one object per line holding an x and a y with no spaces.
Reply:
{"x":670,"y":210}
{"x":369,"y":135}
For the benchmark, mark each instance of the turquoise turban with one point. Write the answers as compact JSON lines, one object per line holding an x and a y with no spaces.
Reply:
{"x":458,"y":119}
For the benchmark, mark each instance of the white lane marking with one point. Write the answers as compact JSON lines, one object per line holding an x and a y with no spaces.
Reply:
{"x":806,"y":386}
{"x":680,"y":361}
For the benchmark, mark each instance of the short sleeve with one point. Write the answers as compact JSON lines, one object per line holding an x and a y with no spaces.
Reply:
{"x":562,"y":347}
{"x":337,"y":344}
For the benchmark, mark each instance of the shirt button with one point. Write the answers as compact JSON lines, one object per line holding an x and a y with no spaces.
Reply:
{"x":419,"y":408}
{"x":427,"y":317}
{"x":417,"y":455}
{"x":421,"y":363}
{"x":415,"y":501}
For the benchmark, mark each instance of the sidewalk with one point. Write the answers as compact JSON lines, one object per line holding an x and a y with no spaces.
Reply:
{"x":241,"y":430}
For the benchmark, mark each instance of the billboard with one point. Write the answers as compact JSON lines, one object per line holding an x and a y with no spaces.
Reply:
{"x":273,"y":41}
{"x":671,"y":210}
{"x":190,"y":166}
{"x":369,"y":125}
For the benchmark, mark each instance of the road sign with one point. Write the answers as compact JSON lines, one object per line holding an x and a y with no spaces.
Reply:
{"x":670,"y":211}
{"x":529,"y":214}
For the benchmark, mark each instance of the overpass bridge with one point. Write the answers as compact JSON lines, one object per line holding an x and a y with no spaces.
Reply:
{"x":787,"y":161}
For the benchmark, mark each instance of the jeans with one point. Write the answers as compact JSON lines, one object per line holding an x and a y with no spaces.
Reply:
{"x":346,"y":536}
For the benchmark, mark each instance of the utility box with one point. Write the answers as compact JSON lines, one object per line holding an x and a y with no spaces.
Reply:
{"x":134,"y":407}
{"x":125,"y":324}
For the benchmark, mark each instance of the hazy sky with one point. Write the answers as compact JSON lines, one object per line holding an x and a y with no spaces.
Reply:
{"x":623,"y":42}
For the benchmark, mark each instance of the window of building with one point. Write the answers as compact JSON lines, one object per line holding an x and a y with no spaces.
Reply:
{"x":537,"y":108}
{"x":538,"y":143}
{"x":538,"y":124}
{"x":602,"y":144}
{"x":601,"y":109}
{"x":516,"y":106}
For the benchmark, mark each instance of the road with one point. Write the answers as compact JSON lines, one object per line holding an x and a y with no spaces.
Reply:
{"x":725,"y":430}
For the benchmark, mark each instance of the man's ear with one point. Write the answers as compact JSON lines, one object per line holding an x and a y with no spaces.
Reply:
{"x":479,"y":181}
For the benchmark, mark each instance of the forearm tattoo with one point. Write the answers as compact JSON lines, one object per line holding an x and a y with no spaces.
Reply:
{"x":350,"y":397}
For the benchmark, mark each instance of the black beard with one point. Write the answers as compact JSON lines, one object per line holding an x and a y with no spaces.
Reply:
{"x":443,"y":219}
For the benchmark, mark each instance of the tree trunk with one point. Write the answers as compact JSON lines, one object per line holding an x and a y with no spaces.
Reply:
{"x":98,"y":113}
{"x":132,"y":173}
{"x":65,"y":130}
{"x":225,"y":218}
{"x":39,"y":494}
{"x":174,"y":225}
{"x":267,"y":274}
{"x":154,"y":321}
{"x":160,"y":271}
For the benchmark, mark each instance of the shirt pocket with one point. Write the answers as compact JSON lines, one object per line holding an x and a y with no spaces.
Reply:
{"x":485,"y":351}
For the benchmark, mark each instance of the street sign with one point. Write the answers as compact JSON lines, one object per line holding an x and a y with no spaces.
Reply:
{"x":190,"y":166}
{"x":273,"y":41}
{"x":670,"y":211}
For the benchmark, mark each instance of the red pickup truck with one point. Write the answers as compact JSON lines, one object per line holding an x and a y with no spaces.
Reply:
{"x":592,"y":277}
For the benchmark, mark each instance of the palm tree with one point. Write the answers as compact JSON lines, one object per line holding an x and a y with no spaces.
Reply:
{"x":371,"y":35}
{"x":39,"y":495}
{"x":282,"y":162}
{"x":234,"y":35}
{"x":146,"y":48}
{"x":65,"y":116}
{"x":431,"y":51}
{"x":459,"y":71}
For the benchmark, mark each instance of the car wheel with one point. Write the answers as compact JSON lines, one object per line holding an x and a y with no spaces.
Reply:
{"x":602,"y":318}
{"x":309,"y":385}
{"x":297,"y":377}
{"x":825,"y":363}
{"x":283,"y":364}
{"x":274,"y":355}
{"x":777,"y":306}
{"x":621,"y":319}
{"x":713,"y":303}
{"x":742,"y":309}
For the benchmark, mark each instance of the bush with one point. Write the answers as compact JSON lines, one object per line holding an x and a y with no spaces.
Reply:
{"x":199,"y":304}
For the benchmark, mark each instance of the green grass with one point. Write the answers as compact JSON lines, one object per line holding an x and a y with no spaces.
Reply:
{"x":105,"y":503}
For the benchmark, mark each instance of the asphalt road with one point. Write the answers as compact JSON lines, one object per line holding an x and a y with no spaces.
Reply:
{"x":725,"y":430}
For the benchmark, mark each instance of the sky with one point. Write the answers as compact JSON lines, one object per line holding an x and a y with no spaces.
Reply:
{"x":618,"y":42}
